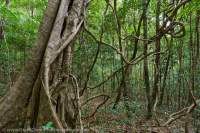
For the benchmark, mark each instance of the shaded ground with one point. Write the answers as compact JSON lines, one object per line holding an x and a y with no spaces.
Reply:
{"x":108,"y":120}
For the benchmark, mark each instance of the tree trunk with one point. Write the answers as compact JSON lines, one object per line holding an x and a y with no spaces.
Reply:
{"x":180,"y":73}
{"x":157,"y":59}
{"x":166,"y":71}
{"x":192,"y":65}
{"x":7,"y":3}
{"x":34,"y":98}
{"x":146,"y":69}
{"x":1,"y":29}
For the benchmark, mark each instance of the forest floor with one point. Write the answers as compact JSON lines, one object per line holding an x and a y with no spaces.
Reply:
{"x":114,"y":121}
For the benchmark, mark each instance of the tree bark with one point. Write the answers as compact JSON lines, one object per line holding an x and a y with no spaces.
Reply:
{"x":157,"y":59}
{"x":30,"y":102}
{"x":166,"y":71}
{"x":145,"y":67}
{"x":192,"y":65}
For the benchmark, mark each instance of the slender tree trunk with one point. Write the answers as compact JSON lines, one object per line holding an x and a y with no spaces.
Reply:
{"x":197,"y":36}
{"x":180,"y":54}
{"x":146,"y":71}
{"x":122,"y":87}
{"x":7,"y":3}
{"x":1,"y":29}
{"x":162,"y":90}
{"x":192,"y":65}
{"x":196,"y":47}
{"x":157,"y":60}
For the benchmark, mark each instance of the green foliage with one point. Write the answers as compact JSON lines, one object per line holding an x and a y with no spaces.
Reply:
{"x":20,"y":25}
{"x":192,"y":7}
{"x":21,"y":21}
{"x":47,"y":126}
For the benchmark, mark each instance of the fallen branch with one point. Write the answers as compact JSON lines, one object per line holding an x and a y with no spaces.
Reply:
{"x":181,"y":113}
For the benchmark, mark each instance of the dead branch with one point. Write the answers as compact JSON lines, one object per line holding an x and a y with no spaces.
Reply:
{"x":181,"y":113}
